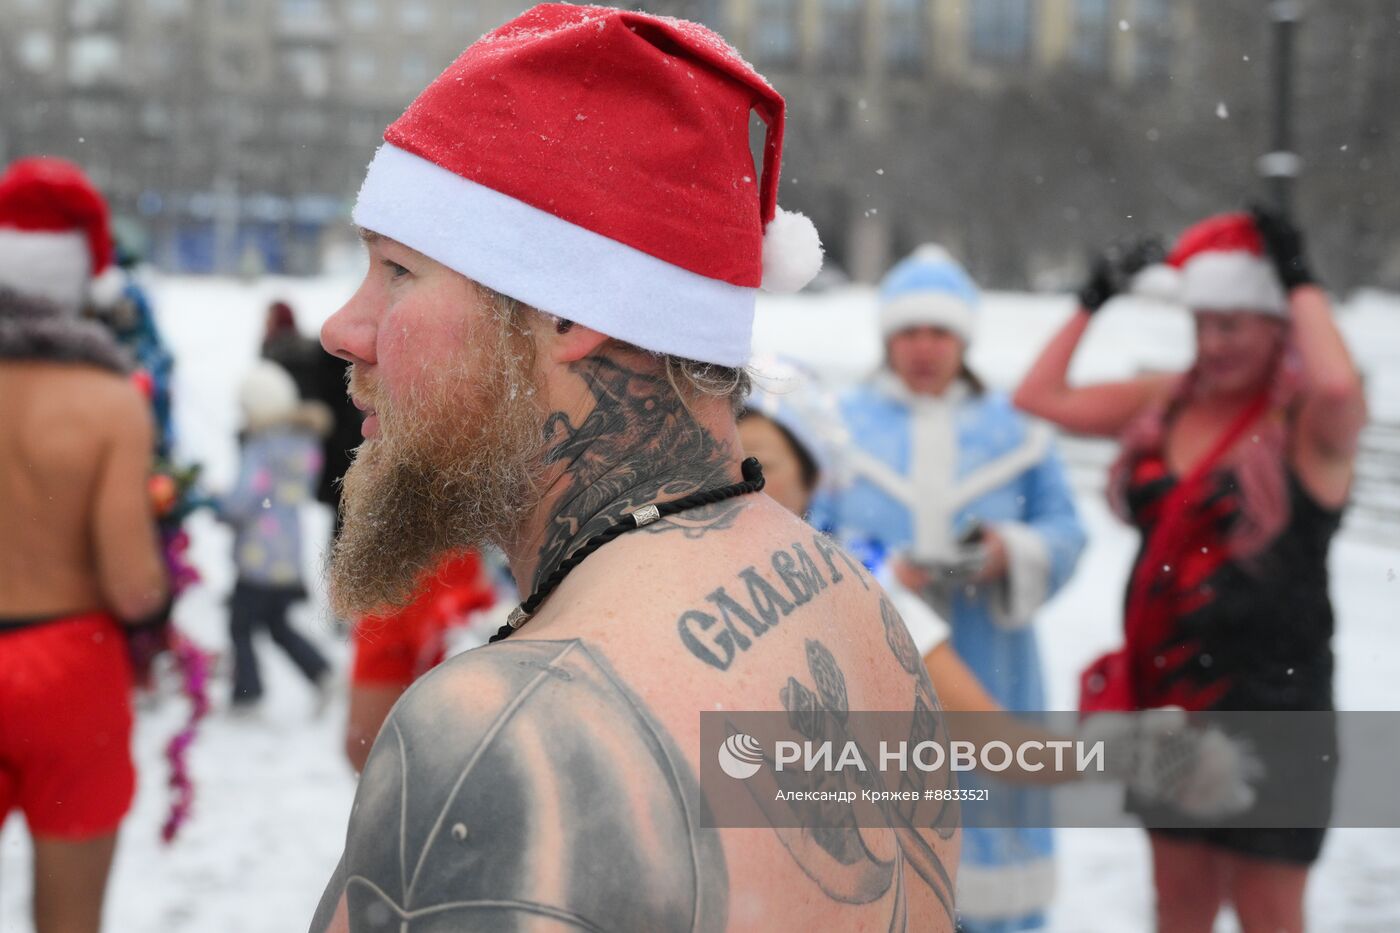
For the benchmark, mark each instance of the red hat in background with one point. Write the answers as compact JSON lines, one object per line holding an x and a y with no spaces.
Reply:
{"x":594,"y":163}
{"x":280,"y":320}
{"x":55,"y":236}
{"x":1223,"y":267}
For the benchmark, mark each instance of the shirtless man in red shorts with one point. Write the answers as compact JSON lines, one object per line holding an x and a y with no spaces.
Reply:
{"x":78,"y":549}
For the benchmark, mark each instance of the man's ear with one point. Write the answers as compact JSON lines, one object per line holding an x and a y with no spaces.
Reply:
{"x":571,"y":343}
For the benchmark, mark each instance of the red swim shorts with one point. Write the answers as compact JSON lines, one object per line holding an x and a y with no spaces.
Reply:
{"x":65,"y":726}
{"x":396,"y":650}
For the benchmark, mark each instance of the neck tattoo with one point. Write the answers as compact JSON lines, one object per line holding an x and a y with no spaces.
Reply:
{"x":752,"y":482}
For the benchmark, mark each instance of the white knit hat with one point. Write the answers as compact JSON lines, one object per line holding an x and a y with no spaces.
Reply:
{"x":929,"y":288}
{"x":267,"y":393}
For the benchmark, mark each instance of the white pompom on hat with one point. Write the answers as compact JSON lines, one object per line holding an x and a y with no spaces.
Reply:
{"x":594,"y":163}
{"x":792,"y":252}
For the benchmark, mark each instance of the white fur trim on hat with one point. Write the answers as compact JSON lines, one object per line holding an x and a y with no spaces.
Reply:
{"x":1159,"y":281}
{"x":926,"y":309}
{"x":553,"y":265}
{"x":792,"y":252}
{"x":52,"y":266}
{"x":1231,"y":281}
{"x":267,"y":393}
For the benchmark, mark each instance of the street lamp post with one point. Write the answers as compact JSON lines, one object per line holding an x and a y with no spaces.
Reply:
{"x":1281,"y":165}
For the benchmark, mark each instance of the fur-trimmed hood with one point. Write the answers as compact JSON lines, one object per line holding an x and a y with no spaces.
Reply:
{"x":33,"y":329}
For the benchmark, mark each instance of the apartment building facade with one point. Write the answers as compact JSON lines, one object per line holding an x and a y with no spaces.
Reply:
{"x":233,"y":133}
{"x":228,"y":134}
{"x":867,"y":79}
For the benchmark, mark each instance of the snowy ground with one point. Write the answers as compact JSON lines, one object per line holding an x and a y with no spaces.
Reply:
{"x":274,"y":792}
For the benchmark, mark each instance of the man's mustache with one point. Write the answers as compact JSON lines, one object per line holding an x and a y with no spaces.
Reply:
{"x":362,"y":389}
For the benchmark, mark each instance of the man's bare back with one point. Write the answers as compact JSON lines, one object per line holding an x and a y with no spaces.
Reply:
{"x":79,"y":533}
{"x":559,"y":766}
{"x":554,"y":775}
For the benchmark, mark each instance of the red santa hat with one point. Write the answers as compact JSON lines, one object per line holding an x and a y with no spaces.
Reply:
{"x":594,"y":163}
{"x":1219,"y":264}
{"x":54,"y":233}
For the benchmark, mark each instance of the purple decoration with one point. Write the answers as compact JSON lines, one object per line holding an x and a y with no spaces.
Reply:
{"x":194,"y":664}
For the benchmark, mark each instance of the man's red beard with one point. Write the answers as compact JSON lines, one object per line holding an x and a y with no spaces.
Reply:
{"x":456,"y":469}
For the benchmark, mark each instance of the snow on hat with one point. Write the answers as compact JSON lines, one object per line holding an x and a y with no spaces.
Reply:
{"x":267,"y":394}
{"x":1220,"y":265}
{"x":54,"y":233}
{"x":927,"y":288}
{"x":594,"y":163}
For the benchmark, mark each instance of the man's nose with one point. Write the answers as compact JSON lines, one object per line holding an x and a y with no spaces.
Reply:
{"x":350,"y":332}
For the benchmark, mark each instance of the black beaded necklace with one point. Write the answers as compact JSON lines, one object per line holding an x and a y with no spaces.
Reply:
{"x":752,"y":482}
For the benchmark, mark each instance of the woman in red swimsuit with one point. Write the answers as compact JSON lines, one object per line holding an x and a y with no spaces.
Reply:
{"x":1236,"y":472}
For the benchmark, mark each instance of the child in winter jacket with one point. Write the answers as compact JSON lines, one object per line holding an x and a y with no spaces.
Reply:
{"x":280,"y":465}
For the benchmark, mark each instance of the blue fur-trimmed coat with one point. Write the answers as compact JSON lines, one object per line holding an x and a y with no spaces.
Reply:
{"x":921,"y":470}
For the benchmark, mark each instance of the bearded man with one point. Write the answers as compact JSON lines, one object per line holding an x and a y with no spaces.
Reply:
{"x":566,"y":232}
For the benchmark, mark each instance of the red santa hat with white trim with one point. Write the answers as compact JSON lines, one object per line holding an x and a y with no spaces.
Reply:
{"x":1218,"y":264}
{"x":594,"y":163}
{"x":55,"y":239}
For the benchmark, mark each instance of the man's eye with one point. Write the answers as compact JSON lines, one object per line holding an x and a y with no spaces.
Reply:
{"x":395,"y":270}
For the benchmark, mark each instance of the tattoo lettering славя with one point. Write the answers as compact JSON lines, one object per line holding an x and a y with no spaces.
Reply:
{"x":737,"y":614}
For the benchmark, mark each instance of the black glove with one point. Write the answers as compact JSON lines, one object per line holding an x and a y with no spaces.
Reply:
{"x":1112,"y":270}
{"x":1284,"y":244}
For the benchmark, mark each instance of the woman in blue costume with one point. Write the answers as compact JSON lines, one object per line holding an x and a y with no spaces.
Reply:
{"x":969,"y":499}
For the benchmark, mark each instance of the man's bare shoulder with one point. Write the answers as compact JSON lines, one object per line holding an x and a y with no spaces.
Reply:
{"x":110,"y":389}
{"x":123,"y":411}
{"x":511,"y":785}
{"x":92,"y":393}
{"x":98,"y":412}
